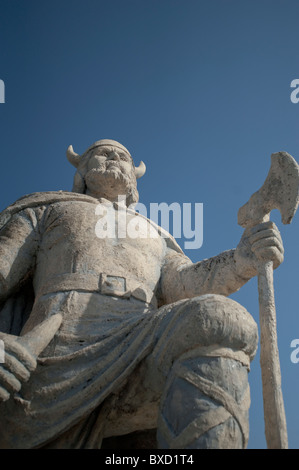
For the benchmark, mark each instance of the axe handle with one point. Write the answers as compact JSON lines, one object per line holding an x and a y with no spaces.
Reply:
{"x":274,"y":412}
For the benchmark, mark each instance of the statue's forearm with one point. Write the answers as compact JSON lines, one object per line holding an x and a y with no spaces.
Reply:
{"x":217,"y":275}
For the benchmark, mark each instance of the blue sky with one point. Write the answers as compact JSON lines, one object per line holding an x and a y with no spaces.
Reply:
{"x":197,"y":89}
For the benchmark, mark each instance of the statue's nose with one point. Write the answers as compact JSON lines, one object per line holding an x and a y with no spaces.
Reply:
{"x":114,"y":156}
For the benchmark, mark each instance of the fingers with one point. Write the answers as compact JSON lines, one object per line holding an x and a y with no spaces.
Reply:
{"x":269,"y":254}
{"x":16,"y":368}
{"x":12,"y":384}
{"x":4,"y":395}
{"x":17,"y":350}
{"x":260,"y":227}
{"x":266,"y":243}
{"x":267,"y":233}
{"x":259,"y":243}
{"x":12,"y":374}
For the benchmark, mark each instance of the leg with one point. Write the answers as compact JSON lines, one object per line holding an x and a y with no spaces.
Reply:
{"x":205,"y":405}
{"x":204,"y":351}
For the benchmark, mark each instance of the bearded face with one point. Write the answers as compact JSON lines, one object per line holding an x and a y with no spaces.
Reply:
{"x":110,"y":172}
{"x":106,"y":170}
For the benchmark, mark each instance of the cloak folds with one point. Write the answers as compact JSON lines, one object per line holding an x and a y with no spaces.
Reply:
{"x":65,"y":389}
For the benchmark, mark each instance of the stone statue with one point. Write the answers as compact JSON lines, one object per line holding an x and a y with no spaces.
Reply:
{"x":118,"y":341}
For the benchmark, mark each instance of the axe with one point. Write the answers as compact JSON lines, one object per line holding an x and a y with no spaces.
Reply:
{"x":279,"y":191}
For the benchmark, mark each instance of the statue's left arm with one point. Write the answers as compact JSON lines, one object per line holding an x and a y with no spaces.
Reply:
{"x":223,"y":274}
{"x":19,"y":240}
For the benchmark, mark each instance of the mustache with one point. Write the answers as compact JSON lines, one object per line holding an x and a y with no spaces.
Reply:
{"x":109,"y":172}
{"x":103,"y":171}
{"x":109,"y":165}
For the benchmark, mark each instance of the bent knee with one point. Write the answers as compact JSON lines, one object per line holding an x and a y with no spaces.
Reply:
{"x":205,"y":321}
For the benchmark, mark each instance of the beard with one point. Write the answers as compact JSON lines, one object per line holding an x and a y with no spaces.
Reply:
{"x":110,"y":179}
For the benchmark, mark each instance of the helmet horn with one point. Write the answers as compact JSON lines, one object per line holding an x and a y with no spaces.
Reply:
{"x":140,"y":170}
{"x":73,"y":158}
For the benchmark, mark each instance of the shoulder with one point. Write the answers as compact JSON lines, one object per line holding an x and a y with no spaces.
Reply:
{"x":36,"y":200}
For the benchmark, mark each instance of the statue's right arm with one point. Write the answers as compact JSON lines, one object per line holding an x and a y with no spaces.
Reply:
{"x":19,"y":240}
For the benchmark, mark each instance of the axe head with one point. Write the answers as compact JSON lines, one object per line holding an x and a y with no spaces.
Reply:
{"x":279,"y":191}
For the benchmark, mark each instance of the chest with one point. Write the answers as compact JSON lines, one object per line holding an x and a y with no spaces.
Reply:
{"x":96,"y":236}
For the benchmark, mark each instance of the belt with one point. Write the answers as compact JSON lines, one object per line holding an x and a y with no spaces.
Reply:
{"x":102,"y":283}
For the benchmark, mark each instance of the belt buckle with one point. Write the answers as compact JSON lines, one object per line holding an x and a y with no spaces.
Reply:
{"x":114,"y":285}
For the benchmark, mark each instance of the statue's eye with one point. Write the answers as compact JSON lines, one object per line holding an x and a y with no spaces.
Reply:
{"x":124,"y":157}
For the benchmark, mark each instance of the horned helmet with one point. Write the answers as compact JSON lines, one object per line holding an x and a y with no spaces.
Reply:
{"x":80,"y":161}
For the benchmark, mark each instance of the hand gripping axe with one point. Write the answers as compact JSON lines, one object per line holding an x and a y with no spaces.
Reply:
{"x":279,"y":191}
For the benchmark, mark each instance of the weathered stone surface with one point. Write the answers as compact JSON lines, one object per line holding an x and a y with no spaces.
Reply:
{"x":144,"y":330}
